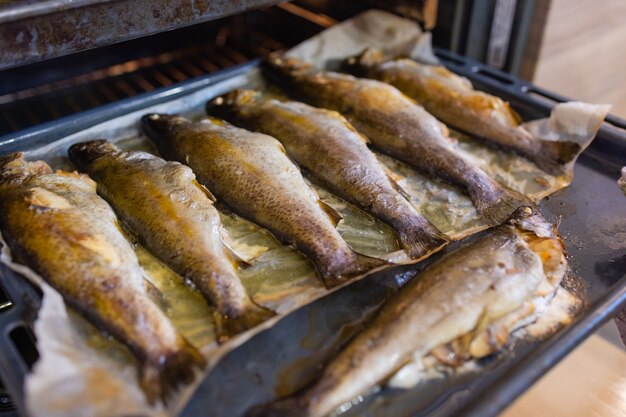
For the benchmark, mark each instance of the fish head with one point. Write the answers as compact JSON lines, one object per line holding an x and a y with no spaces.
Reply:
{"x":227,"y":104}
{"x":14,"y":169}
{"x":359,"y":65}
{"x":83,"y":153}
{"x":280,"y":68}
{"x":157,"y":125}
{"x":529,"y":219}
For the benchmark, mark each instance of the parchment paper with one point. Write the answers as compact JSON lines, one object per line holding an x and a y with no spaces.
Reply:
{"x":80,"y":372}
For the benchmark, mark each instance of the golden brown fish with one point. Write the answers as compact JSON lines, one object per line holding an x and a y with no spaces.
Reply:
{"x":55,"y":223}
{"x":251,"y":173}
{"x":396,"y":125}
{"x":452,"y":99}
{"x":335,"y":156}
{"x":468,"y":303}
{"x":164,"y":206}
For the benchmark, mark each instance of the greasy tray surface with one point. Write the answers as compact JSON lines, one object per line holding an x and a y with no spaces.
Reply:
{"x":593,"y":229}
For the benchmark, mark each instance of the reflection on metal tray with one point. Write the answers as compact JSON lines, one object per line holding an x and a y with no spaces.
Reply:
{"x":288,"y":355}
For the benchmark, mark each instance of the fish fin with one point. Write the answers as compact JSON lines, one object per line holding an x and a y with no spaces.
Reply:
{"x":419,"y":238}
{"x":395,"y":182}
{"x":334,"y":215}
{"x":239,"y":257}
{"x":495,"y":210}
{"x":156,"y":295}
{"x":552,"y":155}
{"x":359,"y":266}
{"x":160,"y":377}
{"x":227,"y":327}
{"x":205,"y":190}
{"x":288,"y":407}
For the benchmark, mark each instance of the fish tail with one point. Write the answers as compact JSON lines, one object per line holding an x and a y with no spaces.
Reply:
{"x":227,"y":327}
{"x":419,"y":238}
{"x":498,"y":204}
{"x":289,"y":407}
{"x":162,"y":375}
{"x":553,"y":154}
{"x":359,"y":65}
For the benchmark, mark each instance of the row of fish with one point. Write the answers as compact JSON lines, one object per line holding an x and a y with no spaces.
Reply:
{"x":162,"y":205}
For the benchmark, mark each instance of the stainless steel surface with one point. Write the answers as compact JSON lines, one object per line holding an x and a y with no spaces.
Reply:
{"x":36,"y":30}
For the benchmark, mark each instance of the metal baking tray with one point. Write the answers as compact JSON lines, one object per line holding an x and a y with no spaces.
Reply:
{"x":283,"y":358}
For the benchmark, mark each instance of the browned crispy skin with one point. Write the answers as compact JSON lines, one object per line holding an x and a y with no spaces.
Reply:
{"x":334,"y":155}
{"x":471,"y":298}
{"x":398,"y":126}
{"x":252,"y":175}
{"x":56,"y":224}
{"x":173,"y":216}
{"x":453,"y":100}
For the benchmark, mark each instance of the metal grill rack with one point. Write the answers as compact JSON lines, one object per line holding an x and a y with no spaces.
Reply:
{"x":208,"y":48}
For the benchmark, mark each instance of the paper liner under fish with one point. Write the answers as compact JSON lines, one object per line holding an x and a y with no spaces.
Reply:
{"x":463,"y":307}
{"x":279,"y":278}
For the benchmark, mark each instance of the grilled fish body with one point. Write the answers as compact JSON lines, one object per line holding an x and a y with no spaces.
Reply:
{"x":172,"y":214}
{"x":251,"y":173}
{"x":57,"y":225}
{"x":398,"y":126}
{"x":453,"y":100}
{"x":334,"y":155}
{"x":465,"y":299}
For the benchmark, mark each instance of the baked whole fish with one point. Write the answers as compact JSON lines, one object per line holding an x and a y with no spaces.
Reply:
{"x":452,"y":99}
{"x":251,"y":174}
{"x":466,"y":304}
{"x":334,"y":155}
{"x":173,"y":216}
{"x":55,"y":223}
{"x":397,"y":126}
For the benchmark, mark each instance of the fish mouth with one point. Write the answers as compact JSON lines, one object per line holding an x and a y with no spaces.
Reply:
{"x":155,"y":124}
{"x":83,"y":153}
{"x":226,"y":104}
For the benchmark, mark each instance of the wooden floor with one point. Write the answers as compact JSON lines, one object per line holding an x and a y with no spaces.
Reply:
{"x":583,"y":54}
{"x":590,"y":382}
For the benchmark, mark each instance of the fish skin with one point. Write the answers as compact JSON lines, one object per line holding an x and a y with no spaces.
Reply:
{"x":92,"y":265}
{"x":397,"y":126}
{"x":251,"y":173}
{"x":452,"y":99}
{"x":458,"y":295}
{"x":336,"y":156}
{"x":172,"y":215}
